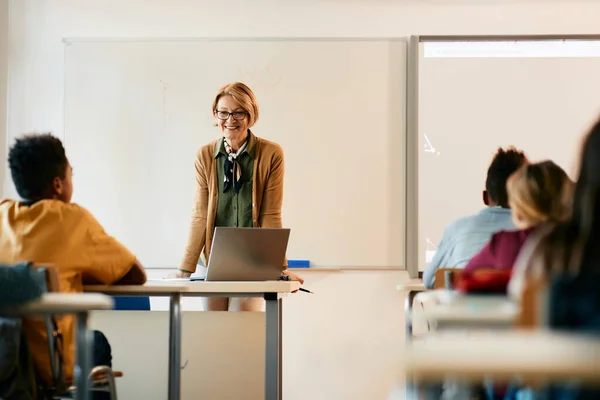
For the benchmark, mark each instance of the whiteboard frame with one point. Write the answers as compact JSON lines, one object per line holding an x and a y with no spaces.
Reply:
{"x":414,"y":257}
{"x":403,"y":39}
{"x":502,"y":38}
{"x":405,"y":139}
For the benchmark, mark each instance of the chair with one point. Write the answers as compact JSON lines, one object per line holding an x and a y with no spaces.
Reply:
{"x":563,"y":303}
{"x":101,"y":378}
{"x":445,"y":278}
{"x":532,"y":311}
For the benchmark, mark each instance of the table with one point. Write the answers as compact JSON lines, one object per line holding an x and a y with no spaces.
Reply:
{"x":533,"y":355}
{"x":469,"y":311}
{"x":410,"y":289}
{"x":271,"y":291}
{"x":470,"y":314}
{"x":79,"y":304}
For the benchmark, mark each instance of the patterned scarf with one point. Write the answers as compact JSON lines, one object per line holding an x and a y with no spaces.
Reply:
{"x":232,"y":169}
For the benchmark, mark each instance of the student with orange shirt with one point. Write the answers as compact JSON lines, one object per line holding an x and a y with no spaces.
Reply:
{"x":47,"y":229}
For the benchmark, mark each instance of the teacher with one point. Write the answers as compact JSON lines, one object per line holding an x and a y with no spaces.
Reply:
{"x":239,"y":183}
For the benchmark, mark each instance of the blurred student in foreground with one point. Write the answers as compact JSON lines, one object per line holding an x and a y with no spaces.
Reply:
{"x":565,"y":260}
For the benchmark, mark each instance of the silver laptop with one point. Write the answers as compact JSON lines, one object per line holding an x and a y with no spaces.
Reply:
{"x":247,"y":254}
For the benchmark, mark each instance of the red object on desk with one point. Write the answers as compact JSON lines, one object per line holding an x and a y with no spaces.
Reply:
{"x":483,"y":281}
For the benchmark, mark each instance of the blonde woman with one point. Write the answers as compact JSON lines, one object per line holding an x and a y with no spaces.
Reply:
{"x":239,"y":183}
{"x":570,"y":250}
{"x":538,"y":193}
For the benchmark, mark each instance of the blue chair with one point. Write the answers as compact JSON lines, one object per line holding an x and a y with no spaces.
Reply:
{"x":132,"y":303}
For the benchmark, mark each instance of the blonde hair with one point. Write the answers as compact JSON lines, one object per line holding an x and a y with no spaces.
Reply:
{"x":538,"y":193}
{"x":243,"y":95}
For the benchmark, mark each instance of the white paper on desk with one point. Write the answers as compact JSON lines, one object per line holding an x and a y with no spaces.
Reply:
{"x":169,"y":280}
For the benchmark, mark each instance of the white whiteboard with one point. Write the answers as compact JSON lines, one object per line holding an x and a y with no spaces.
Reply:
{"x":137,"y":111}
{"x":471,"y":105}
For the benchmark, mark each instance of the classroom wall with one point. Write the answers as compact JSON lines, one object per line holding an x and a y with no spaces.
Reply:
{"x":37,"y":27}
{"x":359,"y":307}
{"x":3,"y":84}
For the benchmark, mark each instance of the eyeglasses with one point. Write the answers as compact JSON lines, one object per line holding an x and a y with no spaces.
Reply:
{"x":224,"y":115}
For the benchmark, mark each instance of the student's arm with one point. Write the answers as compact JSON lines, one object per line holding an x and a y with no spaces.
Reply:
{"x":109,"y":261}
{"x":197,"y":233}
{"x":135,"y":276}
{"x":441,"y":254}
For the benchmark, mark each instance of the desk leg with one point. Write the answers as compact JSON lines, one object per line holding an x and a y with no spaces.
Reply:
{"x":273,"y":348}
{"x":83,"y":363}
{"x":280,"y":356}
{"x":175,"y":347}
{"x":408,"y":305}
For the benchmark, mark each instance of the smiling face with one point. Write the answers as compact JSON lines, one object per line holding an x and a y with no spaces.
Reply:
{"x":233,"y":129}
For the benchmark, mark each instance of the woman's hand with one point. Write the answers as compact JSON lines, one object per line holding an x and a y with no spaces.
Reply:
{"x":293,"y":276}
{"x":179,"y":274}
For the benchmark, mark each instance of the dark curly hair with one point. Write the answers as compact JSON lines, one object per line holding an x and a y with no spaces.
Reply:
{"x":504,"y":164}
{"x":34,"y":161}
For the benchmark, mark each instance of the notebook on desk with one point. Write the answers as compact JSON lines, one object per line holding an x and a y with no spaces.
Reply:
{"x":246,"y":254}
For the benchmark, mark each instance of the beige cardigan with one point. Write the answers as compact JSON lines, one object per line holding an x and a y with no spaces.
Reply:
{"x":267,"y":196}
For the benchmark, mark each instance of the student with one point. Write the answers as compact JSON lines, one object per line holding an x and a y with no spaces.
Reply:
{"x":572,"y":247}
{"x":463,"y":238}
{"x":566,"y":259}
{"x":47,"y":229}
{"x":537,"y":193}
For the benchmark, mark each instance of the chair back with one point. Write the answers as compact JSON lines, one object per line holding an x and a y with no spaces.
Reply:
{"x":532,"y":311}
{"x":55,"y":339}
{"x":17,"y":375}
{"x":445,"y":278}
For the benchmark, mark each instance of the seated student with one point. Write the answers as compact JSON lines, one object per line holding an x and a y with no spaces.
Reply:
{"x":464,"y":237}
{"x":566,"y":258}
{"x":572,"y":247}
{"x":537,"y":193}
{"x":45,"y":228}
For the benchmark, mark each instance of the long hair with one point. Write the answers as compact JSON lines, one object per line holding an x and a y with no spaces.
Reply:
{"x":574,"y":246}
{"x":539,"y":192}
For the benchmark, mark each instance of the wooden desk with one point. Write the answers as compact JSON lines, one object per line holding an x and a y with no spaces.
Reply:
{"x":61,"y":303}
{"x":79,"y":304}
{"x":272,"y":292}
{"x":410,"y":289}
{"x":534,"y":355}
